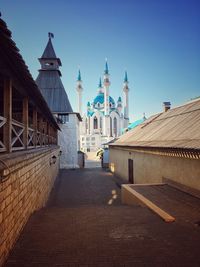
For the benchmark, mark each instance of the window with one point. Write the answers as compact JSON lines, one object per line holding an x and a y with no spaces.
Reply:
{"x":100,"y":122}
{"x":93,"y":144}
{"x":95,"y":123}
{"x":87,"y":138}
{"x":63,"y":118}
{"x":83,"y":138}
{"x":110,"y":126}
{"x":93,"y":138}
{"x":115,"y":126}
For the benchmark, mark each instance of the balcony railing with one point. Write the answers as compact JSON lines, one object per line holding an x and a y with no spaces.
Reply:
{"x":34,"y":139}
{"x":2,"y":123}
{"x":17,"y":130}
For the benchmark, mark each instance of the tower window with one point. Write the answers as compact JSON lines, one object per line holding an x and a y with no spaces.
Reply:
{"x":63,"y":118}
{"x":95,"y":123}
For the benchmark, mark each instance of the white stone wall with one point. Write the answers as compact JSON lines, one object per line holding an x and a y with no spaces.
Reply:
{"x":68,"y":140}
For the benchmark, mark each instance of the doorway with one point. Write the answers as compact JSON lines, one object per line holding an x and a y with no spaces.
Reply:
{"x":130,"y":171}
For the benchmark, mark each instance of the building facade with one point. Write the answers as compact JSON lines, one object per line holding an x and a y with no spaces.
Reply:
{"x":105,"y":118}
{"x":52,"y":89}
{"x":164,"y":148}
{"x":29,"y":155}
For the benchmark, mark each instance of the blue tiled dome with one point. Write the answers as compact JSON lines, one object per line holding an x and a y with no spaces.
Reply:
{"x":100,"y":99}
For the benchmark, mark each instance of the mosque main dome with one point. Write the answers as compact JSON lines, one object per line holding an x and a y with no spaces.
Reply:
{"x":100,"y":99}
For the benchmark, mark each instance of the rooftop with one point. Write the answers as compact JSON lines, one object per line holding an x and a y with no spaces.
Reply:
{"x":177,"y":128}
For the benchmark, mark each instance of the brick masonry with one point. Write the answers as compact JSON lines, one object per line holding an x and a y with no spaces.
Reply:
{"x":24,"y":188}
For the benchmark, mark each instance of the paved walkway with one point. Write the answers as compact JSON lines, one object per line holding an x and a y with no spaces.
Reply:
{"x":85,"y":225}
{"x":91,"y":160}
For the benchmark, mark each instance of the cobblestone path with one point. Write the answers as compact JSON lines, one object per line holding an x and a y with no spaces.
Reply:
{"x":85,"y":225}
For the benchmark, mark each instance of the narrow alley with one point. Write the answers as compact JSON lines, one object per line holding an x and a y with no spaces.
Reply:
{"x":84,"y":224}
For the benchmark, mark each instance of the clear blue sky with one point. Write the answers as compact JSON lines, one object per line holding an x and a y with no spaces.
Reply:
{"x":156,"y":41}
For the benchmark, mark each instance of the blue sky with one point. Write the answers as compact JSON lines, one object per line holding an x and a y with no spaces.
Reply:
{"x":156,"y":41}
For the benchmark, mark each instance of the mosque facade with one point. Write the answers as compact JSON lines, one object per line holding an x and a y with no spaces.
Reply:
{"x":105,"y":119}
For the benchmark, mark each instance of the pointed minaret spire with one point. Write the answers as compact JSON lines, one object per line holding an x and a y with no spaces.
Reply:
{"x":79,"y":76}
{"x":126,"y":77}
{"x":100,"y":88}
{"x":79,"y":89}
{"x":106,"y":71}
{"x":100,"y":84}
{"x":106,"y":83}
{"x":126,"y":105}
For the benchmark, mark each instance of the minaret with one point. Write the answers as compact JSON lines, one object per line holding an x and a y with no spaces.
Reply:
{"x":106,"y":83}
{"x":126,"y":106}
{"x":79,"y":89}
{"x":100,"y":88}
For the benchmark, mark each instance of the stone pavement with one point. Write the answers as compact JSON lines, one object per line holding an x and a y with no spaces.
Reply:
{"x":85,"y":225}
{"x":91,"y":160}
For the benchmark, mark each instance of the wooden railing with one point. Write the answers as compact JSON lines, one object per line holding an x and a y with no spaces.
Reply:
{"x":33,"y":130}
{"x":2,"y":123}
{"x":17,"y":130}
{"x":31,"y":136}
{"x":35,"y":138}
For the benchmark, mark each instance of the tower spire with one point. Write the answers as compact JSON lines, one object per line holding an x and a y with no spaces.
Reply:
{"x":126,"y":104}
{"x":79,"y":76}
{"x":106,"y":71}
{"x":79,"y":89}
{"x":100,"y":88}
{"x":126,"y":77}
{"x":106,"y":83}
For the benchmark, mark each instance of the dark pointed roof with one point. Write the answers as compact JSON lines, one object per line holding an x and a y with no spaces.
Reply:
{"x":53,"y":91}
{"x":15,"y":65}
{"x":49,"y":51}
{"x":50,"y":83}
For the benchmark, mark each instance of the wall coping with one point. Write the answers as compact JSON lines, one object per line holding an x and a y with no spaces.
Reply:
{"x":170,"y":152}
{"x":10,"y":162}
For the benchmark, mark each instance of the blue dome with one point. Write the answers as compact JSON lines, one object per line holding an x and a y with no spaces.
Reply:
{"x":100,"y":99}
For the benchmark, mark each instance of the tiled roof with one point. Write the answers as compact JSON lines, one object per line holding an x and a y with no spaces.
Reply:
{"x":177,"y":128}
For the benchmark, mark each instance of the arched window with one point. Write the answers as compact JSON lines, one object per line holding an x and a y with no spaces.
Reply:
{"x":86,"y":124}
{"x":110,"y":126}
{"x":115,"y":126}
{"x":100,"y":122}
{"x":95,"y":123}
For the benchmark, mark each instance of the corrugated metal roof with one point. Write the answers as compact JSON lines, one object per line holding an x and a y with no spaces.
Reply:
{"x":53,"y":91}
{"x":177,"y":128}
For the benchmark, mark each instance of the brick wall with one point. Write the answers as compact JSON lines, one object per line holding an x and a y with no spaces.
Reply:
{"x":25,"y":183}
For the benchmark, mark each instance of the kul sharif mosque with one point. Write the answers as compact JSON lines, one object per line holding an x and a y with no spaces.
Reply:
{"x":105,"y":118}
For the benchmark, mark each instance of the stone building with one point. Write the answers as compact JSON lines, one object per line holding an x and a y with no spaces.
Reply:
{"x":29,"y":155}
{"x":105,"y":119}
{"x":165,"y":147}
{"x":50,"y":84}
